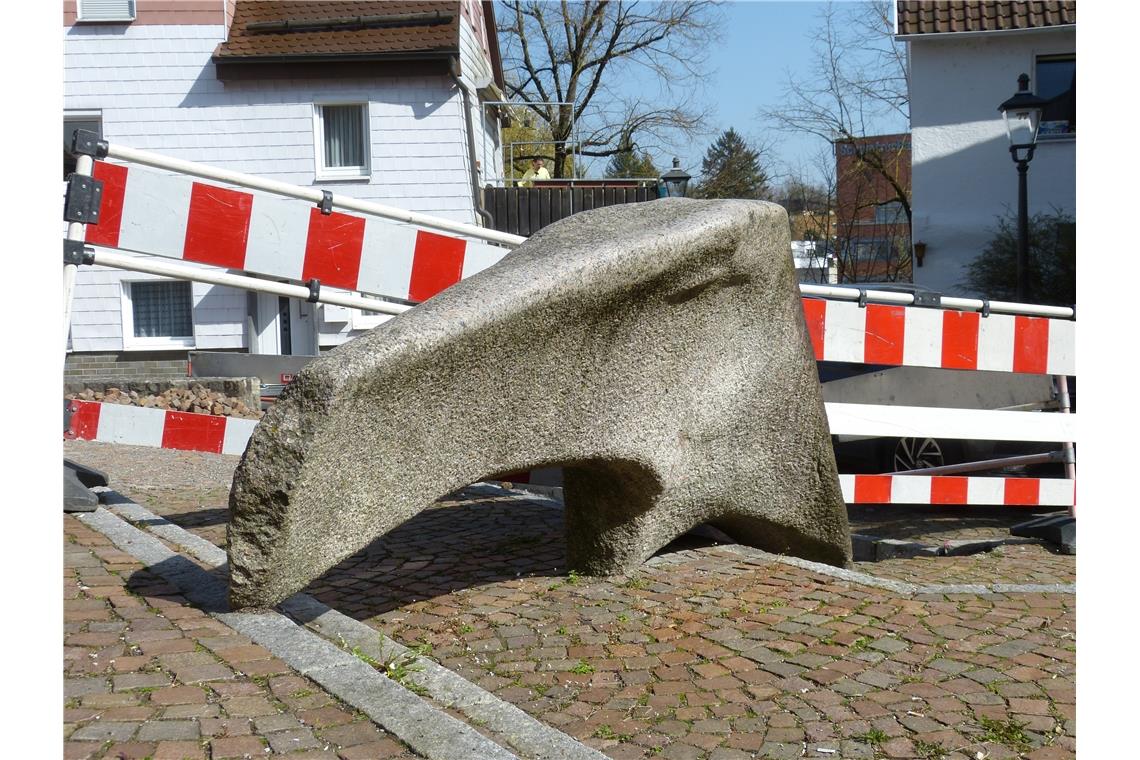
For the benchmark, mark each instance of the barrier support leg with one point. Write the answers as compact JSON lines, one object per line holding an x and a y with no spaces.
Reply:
{"x":84,"y":165}
{"x":1062,"y":383}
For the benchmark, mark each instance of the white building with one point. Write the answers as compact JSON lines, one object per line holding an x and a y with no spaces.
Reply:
{"x":964,"y":61}
{"x":382,"y":102}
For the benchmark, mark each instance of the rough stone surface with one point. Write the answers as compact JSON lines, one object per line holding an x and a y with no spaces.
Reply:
{"x":656,"y":351}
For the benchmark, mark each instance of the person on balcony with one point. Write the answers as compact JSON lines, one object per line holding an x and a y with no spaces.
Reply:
{"x":537,"y":171}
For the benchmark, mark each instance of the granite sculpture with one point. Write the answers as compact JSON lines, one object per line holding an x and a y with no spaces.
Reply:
{"x":656,"y":351}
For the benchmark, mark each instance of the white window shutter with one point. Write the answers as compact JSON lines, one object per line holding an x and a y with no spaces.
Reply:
{"x":106,"y":10}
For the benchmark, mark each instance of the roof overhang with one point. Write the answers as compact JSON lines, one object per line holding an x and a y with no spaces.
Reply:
{"x":985,"y":33}
{"x":325,"y":65}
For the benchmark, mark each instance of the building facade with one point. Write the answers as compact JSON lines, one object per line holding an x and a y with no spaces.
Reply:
{"x":872,"y":196}
{"x":964,"y":61}
{"x":378,"y":100}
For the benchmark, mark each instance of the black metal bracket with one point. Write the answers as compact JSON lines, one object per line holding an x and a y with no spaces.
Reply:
{"x":326,"y":202}
{"x":84,"y":196}
{"x":985,"y":307}
{"x":75,"y":252}
{"x":862,"y":298}
{"x":87,"y":143}
{"x":314,"y":286}
{"x":933,"y":300}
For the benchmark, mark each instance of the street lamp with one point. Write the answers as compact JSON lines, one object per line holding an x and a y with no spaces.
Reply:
{"x":676,"y":181}
{"x":1022,"y":115}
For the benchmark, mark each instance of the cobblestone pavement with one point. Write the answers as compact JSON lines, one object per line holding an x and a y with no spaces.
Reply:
{"x":933,"y":524}
{"x":147,"y":676}
{"x":708,"y":653}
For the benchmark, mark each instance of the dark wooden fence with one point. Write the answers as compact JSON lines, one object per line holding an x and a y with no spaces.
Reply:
{"x":526,"y":210}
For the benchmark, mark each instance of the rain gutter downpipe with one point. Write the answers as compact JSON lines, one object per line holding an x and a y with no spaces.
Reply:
{"x":476,"y":202}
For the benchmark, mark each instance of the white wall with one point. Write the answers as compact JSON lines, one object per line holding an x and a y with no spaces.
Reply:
{"x":475,"y":63}
{"x":157,"y":90}
{"x":963,"y":177}
{"x":96,"y":320}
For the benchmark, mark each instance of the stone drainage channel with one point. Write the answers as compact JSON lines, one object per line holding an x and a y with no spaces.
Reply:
{"x":342,"y":654}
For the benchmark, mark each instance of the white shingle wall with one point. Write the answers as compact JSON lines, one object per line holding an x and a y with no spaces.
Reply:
{"x":158,"y":91}
{"x":96,"y":319}
{"x":477,"y":71}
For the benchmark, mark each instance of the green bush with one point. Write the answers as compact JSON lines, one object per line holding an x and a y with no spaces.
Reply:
{"x":1052,"y":261}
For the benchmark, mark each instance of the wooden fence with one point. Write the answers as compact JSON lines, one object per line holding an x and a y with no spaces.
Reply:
{"x":526,"y":210}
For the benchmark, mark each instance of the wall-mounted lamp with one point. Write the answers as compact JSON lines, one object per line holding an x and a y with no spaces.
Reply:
{"x":919,"y":251}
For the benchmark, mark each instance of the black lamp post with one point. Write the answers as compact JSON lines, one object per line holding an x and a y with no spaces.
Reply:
{"x":1022,"y":115}
{"x":676,"y":181}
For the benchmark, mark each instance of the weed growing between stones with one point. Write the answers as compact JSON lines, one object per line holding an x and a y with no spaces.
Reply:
{"x":396,"y":666}
{"x":875,"y":736}
{"x":930,"y":750}
{"x":1009,"y":732}
{"x":582,"y":668}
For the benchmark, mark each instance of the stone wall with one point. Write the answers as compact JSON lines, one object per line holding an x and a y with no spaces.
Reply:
{"x":227,"y":396}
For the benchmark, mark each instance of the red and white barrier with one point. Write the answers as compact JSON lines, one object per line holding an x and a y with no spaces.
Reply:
{"x":922,"y":337}
{"x":138,"y":426}
{"x":176,"y":217}
{"x":179,"y":218}
{"x":951,"y":489}
{"x":158,"y":428}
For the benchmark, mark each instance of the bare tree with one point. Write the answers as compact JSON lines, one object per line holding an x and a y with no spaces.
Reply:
{"x":807,"y":193}
{"x":579,"y":53}
{"x":859,"y":79}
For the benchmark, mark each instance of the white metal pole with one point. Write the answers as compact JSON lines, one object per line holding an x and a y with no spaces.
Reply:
{"x":311,"y":194}
{"x":848,"y":293}
{"x":75,"y":231}
{"x":1062,"y":382}
{"x":151,"y":266}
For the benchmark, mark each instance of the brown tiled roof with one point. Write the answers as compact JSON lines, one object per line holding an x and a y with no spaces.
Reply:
{"x":337,"y":38}
{"x":942,"y":16}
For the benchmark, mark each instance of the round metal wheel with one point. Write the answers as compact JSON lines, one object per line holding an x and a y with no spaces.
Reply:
{"x":917,"y":453}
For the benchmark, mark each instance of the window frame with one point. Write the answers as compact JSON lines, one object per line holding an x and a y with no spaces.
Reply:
{"x":131,"y":342}
{"x":131,"y":8}
{"x":81,"y":115}
{"x":323,"y":173}
{"x":1038,"y":57}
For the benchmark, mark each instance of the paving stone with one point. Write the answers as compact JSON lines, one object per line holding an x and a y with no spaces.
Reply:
{"x":131,"y":751}
{"x":236,"y":747}
{"x":179,"y":750}
{"x":292,"y":740}
{"x":105,"y":731}
{"x":169,"y":730}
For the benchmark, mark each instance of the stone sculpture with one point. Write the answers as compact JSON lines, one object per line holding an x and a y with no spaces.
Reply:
{"x":657,"y":351}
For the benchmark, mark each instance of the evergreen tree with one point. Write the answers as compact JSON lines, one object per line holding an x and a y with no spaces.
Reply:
{"x":630,"y":164}
{"x":731,"y":169}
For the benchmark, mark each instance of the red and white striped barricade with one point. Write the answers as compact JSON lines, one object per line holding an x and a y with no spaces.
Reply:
{"x":408,"y":256}
{"x":176,"y":217}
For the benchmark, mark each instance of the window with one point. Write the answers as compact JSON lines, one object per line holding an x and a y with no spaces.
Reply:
{"x":92,"y":121}
{"x":1057,"y":82}
{"x":889,"y":213}
{"x":342,"y":144}
{"x":157,"y":314}
{"x":105,"y":10}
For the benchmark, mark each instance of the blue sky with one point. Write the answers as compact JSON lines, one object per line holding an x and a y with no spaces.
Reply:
{"x":763,"y":41}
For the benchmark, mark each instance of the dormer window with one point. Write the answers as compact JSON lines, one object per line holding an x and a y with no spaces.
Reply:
{"x":105,"y":10}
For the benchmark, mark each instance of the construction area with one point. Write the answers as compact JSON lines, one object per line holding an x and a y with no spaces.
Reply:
{"x":662,"y":543}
